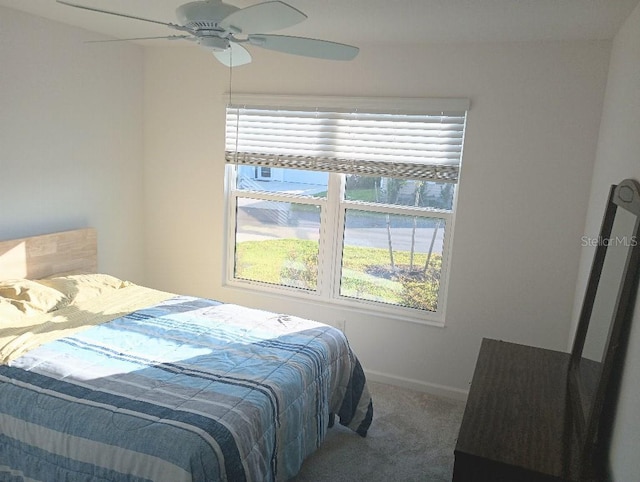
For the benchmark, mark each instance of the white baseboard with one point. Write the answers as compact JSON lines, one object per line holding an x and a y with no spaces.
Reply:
{"x":419,"y":385}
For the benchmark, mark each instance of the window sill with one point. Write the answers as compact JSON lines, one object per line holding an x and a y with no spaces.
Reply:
{"x":353,"y":306}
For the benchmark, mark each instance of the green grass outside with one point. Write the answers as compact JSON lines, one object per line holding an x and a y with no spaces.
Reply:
{"x":270,"y":261}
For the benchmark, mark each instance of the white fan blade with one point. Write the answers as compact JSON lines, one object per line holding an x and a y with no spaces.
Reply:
{"x":234,"y":56}
{"x":262,"y":17}
{"x":308,"y":47}
{"x":91,"y":9}
{"x":170,"y":37}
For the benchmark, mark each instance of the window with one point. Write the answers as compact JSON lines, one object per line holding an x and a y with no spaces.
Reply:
{"x":350,"y":201}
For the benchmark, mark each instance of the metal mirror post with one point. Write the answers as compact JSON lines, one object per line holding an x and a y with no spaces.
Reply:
{"x":606,"y":311}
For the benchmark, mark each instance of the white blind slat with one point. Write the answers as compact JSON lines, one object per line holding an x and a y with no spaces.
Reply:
{"x":418,"y":146}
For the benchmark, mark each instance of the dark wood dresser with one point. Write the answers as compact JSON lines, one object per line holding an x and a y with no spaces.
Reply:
{"x":517,"y":424}
{"x":541,"y":415}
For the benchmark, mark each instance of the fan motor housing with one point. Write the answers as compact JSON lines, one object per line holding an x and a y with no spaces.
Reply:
{"x":203,"y":15}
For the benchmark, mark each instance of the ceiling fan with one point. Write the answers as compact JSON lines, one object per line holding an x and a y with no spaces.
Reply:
{"x":223,"y":28}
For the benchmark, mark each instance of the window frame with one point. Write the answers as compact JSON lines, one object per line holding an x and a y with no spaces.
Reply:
{"x":447,"y":216}
{"x":333,"y":210}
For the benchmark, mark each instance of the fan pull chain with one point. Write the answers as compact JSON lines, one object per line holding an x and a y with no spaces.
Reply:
{"x":235,"y":153}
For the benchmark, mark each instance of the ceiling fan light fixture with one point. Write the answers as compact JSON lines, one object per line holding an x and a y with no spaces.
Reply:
{"x":216,"y":44}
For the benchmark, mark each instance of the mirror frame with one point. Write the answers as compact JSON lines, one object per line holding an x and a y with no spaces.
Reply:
{"x":625,"y":195}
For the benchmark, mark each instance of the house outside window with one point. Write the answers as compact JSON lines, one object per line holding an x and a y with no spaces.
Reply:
{"x":346,"y":201}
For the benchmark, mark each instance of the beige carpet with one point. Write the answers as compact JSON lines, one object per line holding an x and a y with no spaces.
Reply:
{"x":412,"y":438}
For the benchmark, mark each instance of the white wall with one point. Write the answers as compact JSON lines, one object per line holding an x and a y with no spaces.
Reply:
{"x":71,"y":137}
{"x":618,"y":158}
{"x":529,"y":154}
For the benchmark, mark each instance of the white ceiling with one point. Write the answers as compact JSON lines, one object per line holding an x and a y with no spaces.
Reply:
{"x":372,"y":21}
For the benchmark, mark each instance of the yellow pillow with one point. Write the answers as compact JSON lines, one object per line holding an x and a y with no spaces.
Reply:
{"x":82,"y":287}
{"x":31,"y":297}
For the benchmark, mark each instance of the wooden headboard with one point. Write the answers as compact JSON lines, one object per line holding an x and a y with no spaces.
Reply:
{"x":40,"y":256}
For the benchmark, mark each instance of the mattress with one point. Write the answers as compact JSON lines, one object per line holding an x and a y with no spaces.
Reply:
{"x":182,"y":389}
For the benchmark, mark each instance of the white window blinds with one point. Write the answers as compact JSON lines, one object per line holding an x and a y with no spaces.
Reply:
{"x":374,"y":142}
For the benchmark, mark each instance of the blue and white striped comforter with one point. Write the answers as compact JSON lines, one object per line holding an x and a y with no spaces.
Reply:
{"x":187,"y":390}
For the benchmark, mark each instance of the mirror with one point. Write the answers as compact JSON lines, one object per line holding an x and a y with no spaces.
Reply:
{"x":607,"y":307}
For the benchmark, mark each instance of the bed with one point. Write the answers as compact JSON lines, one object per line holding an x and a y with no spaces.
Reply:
{"x":105,"y":380}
